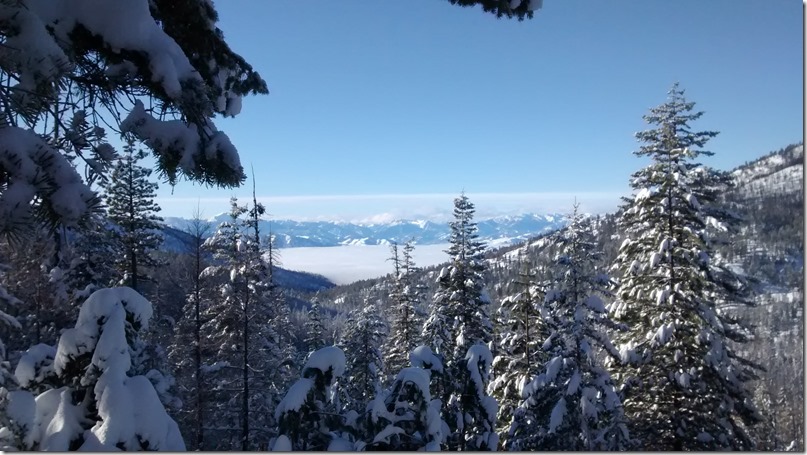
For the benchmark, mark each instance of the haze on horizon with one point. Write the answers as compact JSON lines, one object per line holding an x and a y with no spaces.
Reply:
{"x":385,"y":208}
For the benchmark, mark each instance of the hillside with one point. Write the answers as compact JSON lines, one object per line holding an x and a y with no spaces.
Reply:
{"x":768,"y":196}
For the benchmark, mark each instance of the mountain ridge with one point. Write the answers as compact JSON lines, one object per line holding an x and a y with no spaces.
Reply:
{"x":290,"y":233}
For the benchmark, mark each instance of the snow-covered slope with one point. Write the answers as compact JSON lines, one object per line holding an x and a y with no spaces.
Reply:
{"x":777,"y":173}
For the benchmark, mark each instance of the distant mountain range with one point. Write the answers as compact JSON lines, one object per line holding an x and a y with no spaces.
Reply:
{"x":290,"y":234}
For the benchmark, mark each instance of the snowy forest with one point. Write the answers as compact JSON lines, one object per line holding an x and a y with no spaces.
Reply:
{"x":675,"y":323}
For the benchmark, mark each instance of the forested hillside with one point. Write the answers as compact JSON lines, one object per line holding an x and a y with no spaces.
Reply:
{"x":767,"y":195}
{"x":767,"y":247}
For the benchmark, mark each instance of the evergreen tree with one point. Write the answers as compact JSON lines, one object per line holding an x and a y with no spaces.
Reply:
{"x":519,"y":9}
{"x":458,"y":317}
{"x":188,"y":348}
{"x":684,"y":381}
{"x":405,"y":417}
{"x":236,"y":325}
{"x":282,"y":341}
{"x":85,"y":397}
{"x":10,"y":429}
{"x":306,"y":416}
{"x":314,"y":328}
{"x":477,"y":425}
{"x":91,"y":256}
{"x":406,"y":324}
{"x":129,"y":196}
{"x":68,"y":71}
{"x":521,"y":333}
{"x":573,"y":404}
{"x":364,"y":335}
{"x":34,"y":278}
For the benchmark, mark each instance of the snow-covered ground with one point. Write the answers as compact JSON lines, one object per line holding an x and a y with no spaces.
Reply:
{"x":349,"y":263}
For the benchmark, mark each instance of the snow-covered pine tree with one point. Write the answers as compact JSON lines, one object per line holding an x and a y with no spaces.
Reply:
{"x":85,"y":398}
{"x":458,"y":317}
{"x":31,"y":259}
{"x":314,"y":328}
{"x":235,"y":325}
{"x":129,"y":197}
{"x":362,"y":339}
{"x":69,"y":66}
{"x":406,"y":323}
{"x":10,"y":428}
{"x":405,"y":416}
{"x":91,"y":256}
{"x":222,"y":330}
{"x":275,"y":350}
{"x":573,"y":404}
{"x":462,"y":287}
{"x":684,"y":385}
{"x":188,"y":345}
{"x":306,"y":416}
{"x":521,"y":333}
{"x":283,"y":342}
{"x":478,"y":426}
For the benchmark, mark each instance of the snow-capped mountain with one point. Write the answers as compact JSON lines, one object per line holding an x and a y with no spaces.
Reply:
{"x":289,"y":234}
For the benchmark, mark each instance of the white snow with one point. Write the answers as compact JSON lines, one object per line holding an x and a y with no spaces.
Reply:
{"x":553,"y":367}
{"x":129,"y":409}
{"x":387,"y":432}
{"x":56,"y":421}
{"x":177,"y":137}
{"x":129,"y":27}
{"x":643,"y":194}
{"x":595,"y":303}
{"x":479,"y":353}
{"x":132,"y":412}
{"x":423,"y":357}
{"x":574,"y":384}
{"x":32,"y":164}
{"x":295,"y":397}
{"x":664,"y":333}
{"x":32,"y":360}
{"x":683,"y":379}
{"x":556,"y":417}
{"x":417,"y":376}
{"x":21,"y":408}
{"x":282,"y":444}
{"x":705,"y":437}
{"x":329,"y":357}
{"x":587,"y":407}
{"x":340,"y":445}
{"x":535,"y":5}
{"x":655,"y":258}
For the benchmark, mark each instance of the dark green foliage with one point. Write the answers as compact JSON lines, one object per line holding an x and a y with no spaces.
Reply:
{"x":573,"y":403}
{"x":501,"y":8}
{"x":129,"y":196}
{"x":458,"y":318}
{"x":520,"y":334}
{"x":406,"y":321}
{"x":684,"y":386}
{"x":361,"y":342}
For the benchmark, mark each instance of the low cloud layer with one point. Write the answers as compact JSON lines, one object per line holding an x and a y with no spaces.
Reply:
{"x":382,"y":208}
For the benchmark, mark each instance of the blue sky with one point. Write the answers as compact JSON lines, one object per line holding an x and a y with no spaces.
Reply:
{"x":376,"y":100}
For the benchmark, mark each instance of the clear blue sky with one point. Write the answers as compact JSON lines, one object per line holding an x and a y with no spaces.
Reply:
{"x":421,"y":97}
